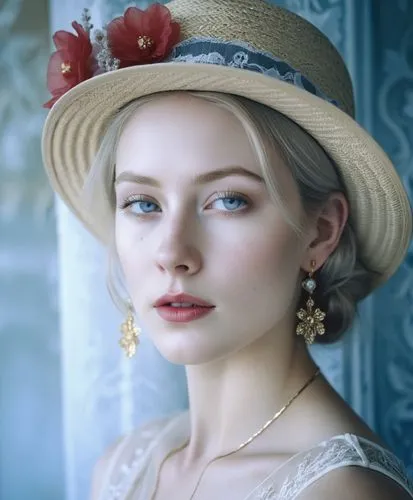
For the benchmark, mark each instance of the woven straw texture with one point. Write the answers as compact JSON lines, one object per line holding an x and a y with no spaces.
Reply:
{"x":271,"y":29}
{"x":379,"y":206}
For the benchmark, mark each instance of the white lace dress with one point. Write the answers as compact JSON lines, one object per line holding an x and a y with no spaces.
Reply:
{"x":133,"y":466}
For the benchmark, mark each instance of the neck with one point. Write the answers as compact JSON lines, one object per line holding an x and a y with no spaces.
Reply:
{"x":262,"y":377}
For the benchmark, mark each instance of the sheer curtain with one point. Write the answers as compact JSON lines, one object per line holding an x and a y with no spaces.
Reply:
{"x":105,"y":395}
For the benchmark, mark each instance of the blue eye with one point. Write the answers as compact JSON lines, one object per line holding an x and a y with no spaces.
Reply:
{"x":231,"y":203}
{"x":145,"y":206}
{"x":139,"y":206}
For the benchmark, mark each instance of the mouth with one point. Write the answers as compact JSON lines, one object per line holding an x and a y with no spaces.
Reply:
{"x":181,"y":300}
{"x":182,"y":307}
{"x":182,"y":312}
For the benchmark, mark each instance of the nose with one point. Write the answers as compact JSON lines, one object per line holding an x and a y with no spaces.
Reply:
{"x":177,"y":253}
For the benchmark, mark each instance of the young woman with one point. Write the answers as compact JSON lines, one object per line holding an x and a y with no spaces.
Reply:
{"x":211,"y":146}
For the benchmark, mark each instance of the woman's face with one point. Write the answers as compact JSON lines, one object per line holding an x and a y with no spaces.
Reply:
{"x":194,"y":216}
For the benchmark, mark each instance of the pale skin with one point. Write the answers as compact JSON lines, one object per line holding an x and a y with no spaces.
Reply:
{"x":236,"y":251}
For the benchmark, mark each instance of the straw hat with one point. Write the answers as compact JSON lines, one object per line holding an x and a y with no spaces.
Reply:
{"x":243,"y":47}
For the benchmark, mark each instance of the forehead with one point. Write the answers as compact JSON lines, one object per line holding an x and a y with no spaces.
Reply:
{"x":178,"y":136}
{"x":184,"y":128}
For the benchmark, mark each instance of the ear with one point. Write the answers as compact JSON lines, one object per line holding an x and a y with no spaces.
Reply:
{"x":327,"y":228}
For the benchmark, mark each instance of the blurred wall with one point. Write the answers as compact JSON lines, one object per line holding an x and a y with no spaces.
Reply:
{"x":391,"y":83}
{"x":31,"y":457}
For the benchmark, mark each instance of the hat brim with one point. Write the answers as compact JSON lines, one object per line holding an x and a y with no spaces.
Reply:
{"x":380,"y":209}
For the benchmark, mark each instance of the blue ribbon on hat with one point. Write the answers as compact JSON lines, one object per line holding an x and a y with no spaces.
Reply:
{"x":238,"y":54}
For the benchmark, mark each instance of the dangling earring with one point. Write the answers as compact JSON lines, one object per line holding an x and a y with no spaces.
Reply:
{"x":130,"y":334}
{"x":311,"y":321}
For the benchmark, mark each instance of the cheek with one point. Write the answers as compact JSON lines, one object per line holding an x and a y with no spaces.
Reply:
{"x":129,"y":249}
{"x":265,"y":272}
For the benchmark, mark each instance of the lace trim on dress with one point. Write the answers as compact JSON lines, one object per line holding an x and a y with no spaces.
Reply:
{"x":127,"y":473}
{"x":339,"y":451}
{"x":380,"y":458}
{"x":308,"y":467}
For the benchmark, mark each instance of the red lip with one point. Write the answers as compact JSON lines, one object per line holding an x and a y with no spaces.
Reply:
{"x":181,"y":297}
{"x":183,"y":314}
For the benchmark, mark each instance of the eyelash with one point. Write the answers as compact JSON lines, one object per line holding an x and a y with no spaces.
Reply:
{"x":219,"y":196}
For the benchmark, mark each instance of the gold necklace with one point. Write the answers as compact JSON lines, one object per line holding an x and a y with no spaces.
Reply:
{"x":242,"y":445}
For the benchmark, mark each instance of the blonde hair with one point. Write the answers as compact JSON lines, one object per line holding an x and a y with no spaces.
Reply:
{"x":343,"y":280}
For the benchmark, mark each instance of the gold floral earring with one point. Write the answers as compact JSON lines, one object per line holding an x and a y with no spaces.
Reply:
{"x":130,"y":334}
{"x":311,"y":323}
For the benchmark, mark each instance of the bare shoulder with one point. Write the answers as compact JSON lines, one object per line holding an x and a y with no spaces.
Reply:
{"x":354,"y":483}
{"x":330,"y":415}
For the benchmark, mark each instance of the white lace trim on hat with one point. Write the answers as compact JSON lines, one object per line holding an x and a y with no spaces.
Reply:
{"x":238,"y":54}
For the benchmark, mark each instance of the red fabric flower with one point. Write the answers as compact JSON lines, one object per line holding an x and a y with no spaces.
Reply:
{"x":71,"y":64}
{"x":143,"y":36}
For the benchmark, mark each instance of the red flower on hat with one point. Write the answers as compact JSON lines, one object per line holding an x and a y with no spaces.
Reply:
{"x":143,"y":36}
{"x":71,"y":64}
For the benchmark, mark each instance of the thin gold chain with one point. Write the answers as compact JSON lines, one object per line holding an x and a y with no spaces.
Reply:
{"x":242,"y":445}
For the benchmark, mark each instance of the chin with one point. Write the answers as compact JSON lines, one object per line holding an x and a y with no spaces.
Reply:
{"x":184,"y":356}
{"x":181,"y":350}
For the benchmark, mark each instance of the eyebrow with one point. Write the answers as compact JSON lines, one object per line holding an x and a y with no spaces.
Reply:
{"x":199,"y":180}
